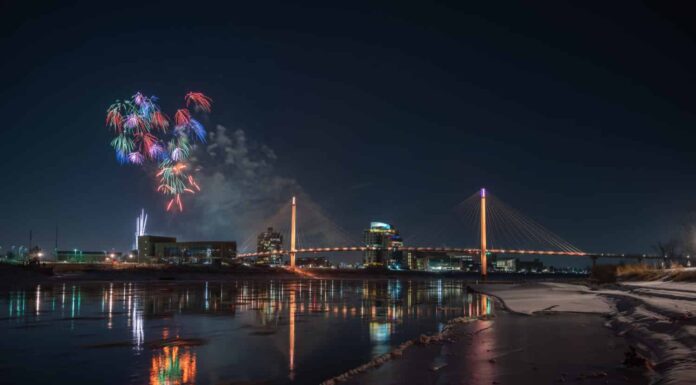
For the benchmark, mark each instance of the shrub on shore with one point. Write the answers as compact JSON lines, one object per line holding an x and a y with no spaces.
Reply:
{"x":644,"y":272}
{"x":639,"y":272}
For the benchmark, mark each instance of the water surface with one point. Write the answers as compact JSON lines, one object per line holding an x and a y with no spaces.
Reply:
{"x":271,"y":332}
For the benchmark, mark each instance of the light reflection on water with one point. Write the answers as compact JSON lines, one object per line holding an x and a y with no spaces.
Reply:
{"x":173,"y":365}
{"x":217,"y":332}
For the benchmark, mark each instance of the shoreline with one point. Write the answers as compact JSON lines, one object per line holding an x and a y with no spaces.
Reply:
{"x":655,"y":348}
{"x":657,"y":319}
{"x":511,"y":347}
{"x":445,"y":335}
{"x":19,"y":275}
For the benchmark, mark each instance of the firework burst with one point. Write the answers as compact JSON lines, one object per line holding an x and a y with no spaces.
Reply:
{"x":140,"y":127}
{"x":160,"y":121}
{"x":182,"y":117}
{"x":199,"y":101}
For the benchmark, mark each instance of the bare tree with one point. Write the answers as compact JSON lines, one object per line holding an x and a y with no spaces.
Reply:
{"x":668,"y":249}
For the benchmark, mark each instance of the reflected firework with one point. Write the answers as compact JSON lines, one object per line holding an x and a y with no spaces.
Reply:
{"x":292,"y":322}
{"x":173,"y":366}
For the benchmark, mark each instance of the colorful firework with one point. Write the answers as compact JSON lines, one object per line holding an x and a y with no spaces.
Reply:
{"x":199,"y":101}
{"x":140,"y":127}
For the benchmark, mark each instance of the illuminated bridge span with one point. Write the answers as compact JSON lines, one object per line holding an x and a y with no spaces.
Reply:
{"x":468,"y":251}
{"x":498,"y":216}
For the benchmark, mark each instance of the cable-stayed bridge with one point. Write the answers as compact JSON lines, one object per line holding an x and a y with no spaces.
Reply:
{"x":489,"y":223}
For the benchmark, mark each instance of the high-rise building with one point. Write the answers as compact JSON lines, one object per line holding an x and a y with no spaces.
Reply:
{"x":271,"y":242}
{"x":383,"y":244}
{"x":397,"y":259}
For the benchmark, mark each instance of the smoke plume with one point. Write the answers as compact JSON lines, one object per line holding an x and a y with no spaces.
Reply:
{"x":240,"y":188}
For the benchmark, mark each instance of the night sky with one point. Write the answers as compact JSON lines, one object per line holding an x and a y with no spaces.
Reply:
{"x":579,"y":116}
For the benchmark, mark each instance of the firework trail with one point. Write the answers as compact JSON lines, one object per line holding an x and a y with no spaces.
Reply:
{"x":142,"y":135}
{"x":140,"y":225}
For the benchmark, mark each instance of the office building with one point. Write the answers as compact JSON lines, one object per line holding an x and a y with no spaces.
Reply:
{"x":469,"y":262}
{"x":146,"y":246}
{"x":397,"y":259}
{"x":270,"y":242}
{"x":196,"y":252}
{"x":440,"y":261}
{"x":167,"y":250}
{"x":506,"y":265}
{"x":382,"y":242}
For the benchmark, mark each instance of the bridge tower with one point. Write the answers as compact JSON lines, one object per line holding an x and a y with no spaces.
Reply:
{"x":484,"y":262}
{"x":293,"y":233}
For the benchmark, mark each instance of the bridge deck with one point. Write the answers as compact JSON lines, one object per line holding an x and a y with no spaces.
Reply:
{"x":465,"y":250}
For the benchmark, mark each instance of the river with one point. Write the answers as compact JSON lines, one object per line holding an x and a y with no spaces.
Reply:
{"x":247,"y":331}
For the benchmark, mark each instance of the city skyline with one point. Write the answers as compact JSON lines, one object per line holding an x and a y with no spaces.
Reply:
{"x":382,"y":246}
{"x":348,"y":192}
{"x":569,"y":143}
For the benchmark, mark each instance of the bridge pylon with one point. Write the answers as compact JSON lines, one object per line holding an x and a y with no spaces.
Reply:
{"x":484,"y":262}
{"x":293,"y":233}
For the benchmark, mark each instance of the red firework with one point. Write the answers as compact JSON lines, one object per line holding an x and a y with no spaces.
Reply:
{"x":160,"y":121}
{"x":177,"y":200}
{"x":199,"y":100}
{"x":182,"y":117}
{"x":193,"y":183}
{"x":147,"y":140}
{"x":115,"y":120}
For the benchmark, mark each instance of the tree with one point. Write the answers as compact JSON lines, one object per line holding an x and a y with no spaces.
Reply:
{"x":668,"y":249}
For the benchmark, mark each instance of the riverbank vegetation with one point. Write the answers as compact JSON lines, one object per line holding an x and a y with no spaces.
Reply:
{"x":643,"y":272}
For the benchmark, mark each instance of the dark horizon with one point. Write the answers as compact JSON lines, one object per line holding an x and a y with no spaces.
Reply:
{"x":579,"y":116}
